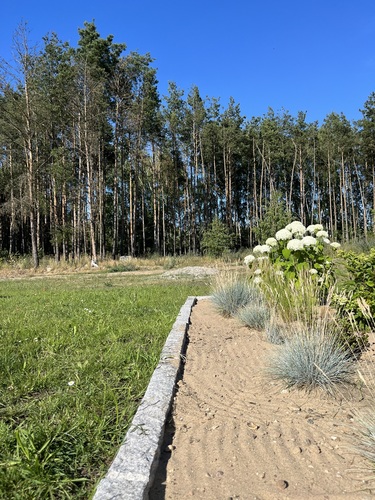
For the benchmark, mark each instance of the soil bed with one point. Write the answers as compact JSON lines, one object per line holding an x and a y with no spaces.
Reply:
{"x":234,"y":434}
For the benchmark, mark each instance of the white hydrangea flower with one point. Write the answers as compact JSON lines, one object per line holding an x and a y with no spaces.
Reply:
{"x":309,"y":241}
{"x":313,"y":271}
{"x":314,"y":228}
{"x":257,"y":280}
{"x":283,"y":235}
{"x":249,"y":259}
{"x":262,"y":249}
{"x":296,"y":227}
{"x":326,"y":240}
{"x":289,"y":226}
{"x":258,"y":271}
{"x":294,"y":245}
{"x":335,"y":245}
{"x":257,"y":249}
{"x":321,"y":234}
{"x":272,"y":242}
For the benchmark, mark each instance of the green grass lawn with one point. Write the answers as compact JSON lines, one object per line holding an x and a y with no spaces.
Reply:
{"x":76,"y":355}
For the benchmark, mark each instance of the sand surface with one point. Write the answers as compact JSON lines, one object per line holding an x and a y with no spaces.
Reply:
{"x":234,"y":434}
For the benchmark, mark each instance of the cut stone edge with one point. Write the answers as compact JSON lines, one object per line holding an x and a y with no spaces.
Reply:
{"x":133,"y":469}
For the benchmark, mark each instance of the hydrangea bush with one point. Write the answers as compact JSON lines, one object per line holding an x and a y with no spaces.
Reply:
{"x":295,"y":249}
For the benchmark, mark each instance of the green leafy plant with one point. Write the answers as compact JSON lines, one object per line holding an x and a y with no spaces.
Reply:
{"x":355,"y":300}
{"x":357,"y":297}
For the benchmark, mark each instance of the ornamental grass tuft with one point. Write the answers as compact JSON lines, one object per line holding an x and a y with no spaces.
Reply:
{"x":275,"y":333}
{"x":295,"y":300}
{"x":233,"y":293}
{"x":310,"y":358}
{"x":365,"y":435}
{"x":254,"y":315}
{"x":363,"y":442}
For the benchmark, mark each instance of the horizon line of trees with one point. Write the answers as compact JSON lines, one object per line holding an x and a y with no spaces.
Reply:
{"x":93,"y":161}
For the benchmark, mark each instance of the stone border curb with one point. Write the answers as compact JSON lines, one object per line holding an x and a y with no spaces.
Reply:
{"x":133,"y":470}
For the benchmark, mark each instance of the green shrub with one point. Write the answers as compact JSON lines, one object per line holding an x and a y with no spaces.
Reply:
{"x":356,"y":302}
{"x":123,"y":268}
{"x":276,"y":216}
{"x":170,"y":263}
{"x":312,"y":358}
{"x":216,"y":239}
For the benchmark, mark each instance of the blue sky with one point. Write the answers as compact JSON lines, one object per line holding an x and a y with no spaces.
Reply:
{"x":298,"y":55}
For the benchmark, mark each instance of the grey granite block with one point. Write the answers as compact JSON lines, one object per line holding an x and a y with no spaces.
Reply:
{"x":132,"y":472}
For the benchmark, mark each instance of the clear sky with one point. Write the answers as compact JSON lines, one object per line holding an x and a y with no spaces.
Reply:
{"x":298,"y":55}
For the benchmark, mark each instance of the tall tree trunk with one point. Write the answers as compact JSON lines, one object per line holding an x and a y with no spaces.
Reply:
{"x":331,"y":222}
{"x":301,"y":189}
{"x":28,"y":143}
{"x":12,"y":225}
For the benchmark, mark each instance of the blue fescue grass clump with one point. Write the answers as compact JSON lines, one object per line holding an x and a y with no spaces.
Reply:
{"x":365,"y":436}
{"x":275,"y":333}
{"x":254,"y":315}
{"x":312,"y":358}
{"x":228,"y":297}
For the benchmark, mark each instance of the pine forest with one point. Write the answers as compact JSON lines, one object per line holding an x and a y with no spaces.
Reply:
{"x":95,"y":161}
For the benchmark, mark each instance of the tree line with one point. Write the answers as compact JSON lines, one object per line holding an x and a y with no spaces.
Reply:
{"x":94,"y":161}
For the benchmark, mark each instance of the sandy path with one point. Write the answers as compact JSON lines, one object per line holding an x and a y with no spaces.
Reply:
{"x":236,"y":435}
